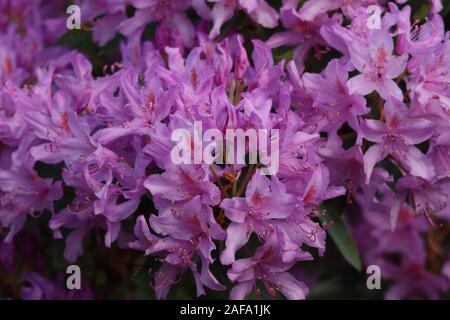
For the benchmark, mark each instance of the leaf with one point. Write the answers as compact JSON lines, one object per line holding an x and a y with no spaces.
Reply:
{"x":343,"y":239}
{"x":422,"y":12}
{"x":446,"y":9}
{"x":287,"y":55}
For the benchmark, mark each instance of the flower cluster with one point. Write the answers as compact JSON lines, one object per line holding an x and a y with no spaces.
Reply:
{"x":371,"y":128}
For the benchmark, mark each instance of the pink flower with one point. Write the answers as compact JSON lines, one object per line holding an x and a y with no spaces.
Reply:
{"x":258,"y":212}
{"x":269,"y":267}
{"x":397,"y":136}
{"x":377,"y":65}
{"x":258,"y":10}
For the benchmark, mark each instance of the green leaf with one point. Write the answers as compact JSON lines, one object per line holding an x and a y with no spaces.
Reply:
{"x":422,"y":12}
{"x":446,"y":9}
{"x":279,"y":55}
{"x":343,"y":239}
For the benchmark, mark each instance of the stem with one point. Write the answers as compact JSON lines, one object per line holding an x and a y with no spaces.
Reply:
{"x":221,"y":216}
{"x":246,"y":180}
{"x":217,"y":178}
{"x":231,"y":94}
{"x":234,"y":182}
{"x":380,"y":105}
{"x":240,"y":88}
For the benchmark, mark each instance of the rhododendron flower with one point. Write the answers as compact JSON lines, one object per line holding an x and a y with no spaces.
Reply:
{"x":397,"y":137}
{"x":225,"y":148}
{"x":40,"y":288}
{"x":258,"y":10}
{"x":377,"y":66}
{"x":185,"y":240}
{"x":330,"y":94}
{"x":268,"y":266}
{"x":257,"y":212}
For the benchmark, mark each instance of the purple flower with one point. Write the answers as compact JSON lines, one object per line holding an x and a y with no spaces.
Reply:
{"x":430,"y":198}
{"x":311,"y":9}
{"x":440,"y":154}
{"x":413,"y":280}
{"x":24,"y":193}
{"x":101,"y":210}
{"x":41,"y":288}
{"x":397,"y":136}
{"x":107,"y":132}
{"x":258,"y":212}
{"x":183,"y":183}
{"x":187,"y":232}
{"x":269,"y":267}
{"x":332,"y":99}
{"x":346,"y":166}
{"x":377,"y":66}
{"x":430,"y":77}
{"x":258,"y":10}
{"x":171,"y":13}
{"x":302,"y":33}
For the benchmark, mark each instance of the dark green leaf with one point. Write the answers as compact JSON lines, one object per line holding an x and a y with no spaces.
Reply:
{"x":343,"y":239}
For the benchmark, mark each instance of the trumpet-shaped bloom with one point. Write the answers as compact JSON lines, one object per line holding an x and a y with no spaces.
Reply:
{"x":378,"y":66}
